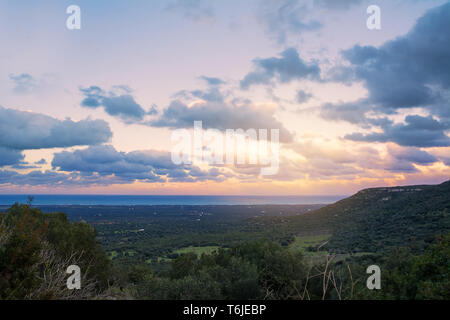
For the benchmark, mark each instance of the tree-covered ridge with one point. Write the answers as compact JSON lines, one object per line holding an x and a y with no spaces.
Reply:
{"x":380,"y":218}
{"x":404,"y":230}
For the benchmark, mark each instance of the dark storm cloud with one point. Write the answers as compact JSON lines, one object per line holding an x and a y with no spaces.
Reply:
{"x":284,"y":69}
{"x":408,"y":72}
{"x":405,"y":72}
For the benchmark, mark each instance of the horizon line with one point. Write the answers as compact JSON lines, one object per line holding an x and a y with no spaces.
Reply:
{"x":169,"y":195}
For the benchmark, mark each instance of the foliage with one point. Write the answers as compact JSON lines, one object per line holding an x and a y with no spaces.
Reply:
{"x":409,"y":276}
{"x":35,"y":246}
{"x":235,"y":252}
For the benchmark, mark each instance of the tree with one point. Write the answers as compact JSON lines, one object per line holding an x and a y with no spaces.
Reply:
{"x":36,"y":248}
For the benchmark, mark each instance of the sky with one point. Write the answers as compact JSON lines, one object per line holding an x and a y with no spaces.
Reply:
{"x":93,"y":110}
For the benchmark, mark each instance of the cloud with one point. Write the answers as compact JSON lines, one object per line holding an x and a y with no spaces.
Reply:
{"x":216,"y":109}
{"x":338,"y":5}
{"x":120,"y":105}
{"x":54,"y":179}
{"x":10,"y":157}
{"x":40,"y":162}
{"x":21,"y":130}
{"x":445,"y":160}
{"x":144,"y":166}
{"x":212,"y":81}
{"x":401,"y":166}
{"x":104,"y":161}
{"x":285,"y":69}
{"x":292,"y":18}
{"x":33,"y":178}
{"x":195,"y":10}
{"x":352,"y":112}
{"x":23,"y":83}
{"x":219,"y":112}
{"x":314,"y":151}
{"x":411,"y":71}
{"x":342,"y":74}
{"x":323,"y":160}
{"x":104,"y":165}
{"x":417,"y":131}
{"x":212,"y":94}
{"x":285,"y":18}
{"x":403,"y":160}
{"x":414,"y":155}
{"x":319,"y":169}
{"x":303,"y":96}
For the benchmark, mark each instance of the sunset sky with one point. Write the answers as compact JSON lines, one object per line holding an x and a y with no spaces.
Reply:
{"x":93,"y":110}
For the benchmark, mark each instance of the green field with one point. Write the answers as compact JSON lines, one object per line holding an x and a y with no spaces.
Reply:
{"x":304,"y":242}
{"x":112,"y":254}
{"x":197,"y":250}
{"x":317,"y":256}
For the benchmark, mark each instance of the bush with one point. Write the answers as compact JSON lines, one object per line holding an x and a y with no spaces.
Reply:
{"x":36,"y":249}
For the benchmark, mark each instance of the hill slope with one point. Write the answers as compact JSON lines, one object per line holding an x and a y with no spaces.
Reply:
{"x":379,"y":218}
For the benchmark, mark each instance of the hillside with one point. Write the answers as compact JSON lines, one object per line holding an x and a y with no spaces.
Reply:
{"x":184,"y":255}
{"x":379,"y":218}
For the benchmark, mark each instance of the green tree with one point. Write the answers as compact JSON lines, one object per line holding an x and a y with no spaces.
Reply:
{"x":36,"y":249}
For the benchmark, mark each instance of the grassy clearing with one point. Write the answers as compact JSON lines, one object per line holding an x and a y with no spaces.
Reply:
{"x":197,"y":250}
{"x":112,"y":254}
{"x":127,"y":231}
{"x":304,"y":242}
